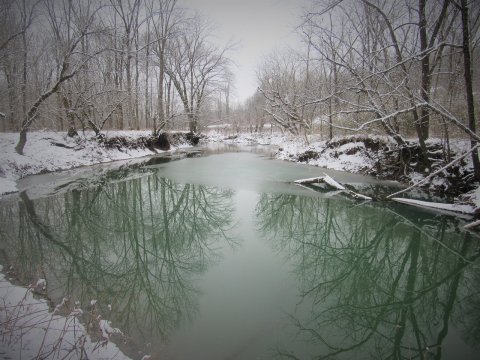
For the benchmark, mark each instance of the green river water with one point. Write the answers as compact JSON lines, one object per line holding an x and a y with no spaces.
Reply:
{"x":220,"y":256}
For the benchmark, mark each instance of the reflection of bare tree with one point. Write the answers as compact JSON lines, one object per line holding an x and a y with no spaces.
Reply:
{"x":136,"y":245}
{"x":471,"y":323}
{"x":374,"y":284}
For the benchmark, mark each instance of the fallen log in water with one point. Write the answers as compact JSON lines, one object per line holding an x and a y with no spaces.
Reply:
{"x":333,"y":184}
{"x":321,"y":179}
{"x":464,"y":209}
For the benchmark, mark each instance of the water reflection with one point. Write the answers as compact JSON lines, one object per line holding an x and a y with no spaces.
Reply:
{"x":376,"y":282}
{"x":137,"y":245}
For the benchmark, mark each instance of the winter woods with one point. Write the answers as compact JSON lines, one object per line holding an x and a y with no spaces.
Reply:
{"x":406,"y":69}
{"x":123,"y":64}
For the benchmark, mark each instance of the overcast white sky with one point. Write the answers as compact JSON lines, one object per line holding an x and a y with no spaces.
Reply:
{"x":260,"y":26}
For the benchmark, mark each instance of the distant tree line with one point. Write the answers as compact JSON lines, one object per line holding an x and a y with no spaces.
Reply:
{"x":122,"y":64}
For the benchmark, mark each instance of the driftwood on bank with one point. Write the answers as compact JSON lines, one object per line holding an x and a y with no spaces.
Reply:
{"x":333,"y":184}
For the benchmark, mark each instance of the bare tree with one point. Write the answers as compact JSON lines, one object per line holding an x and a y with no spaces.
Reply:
{"x":195,"y":66}
{"x":282,"y":82}
{"x":128,"y":13}
{"x":70,"y":63}
{"x":377,"y":62}
{"x":166,"y":21}
{"x":469,"y":83}
{"x":17,"y":17}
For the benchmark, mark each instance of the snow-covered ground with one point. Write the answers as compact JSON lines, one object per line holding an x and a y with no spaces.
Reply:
{"x":30,"y":330}
{"x":20,"y":310}
{"x":352,"y":156}
{"x":42,"y":155}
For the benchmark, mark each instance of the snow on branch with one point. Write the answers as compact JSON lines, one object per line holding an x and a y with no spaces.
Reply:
{"x":465,"y":209}
{"x":332,"y":183}
{"x":379,"y":119}
{"x":447,"y":115}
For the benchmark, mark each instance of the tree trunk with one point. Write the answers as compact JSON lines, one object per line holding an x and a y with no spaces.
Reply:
{"x":169,"y":102}
{"x":161,"y":77}
{"x":192,"y":123}
{"x":24,"y":76}
{"x":330,"y":119}
{"x":11,"y":103}
{"x":137,"y":74}
{"x":468,"y":85}
{"x":118,"y":75}
{"x":33,"y":112}
{"x":21,"y":142}
{"x":424,"y":121}
{"x":71,"y":130}
{"x":129,"y":82}
{"x":147,"y":58}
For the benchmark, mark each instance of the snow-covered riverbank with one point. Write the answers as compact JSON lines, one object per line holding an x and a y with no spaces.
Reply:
{"x":369,"y":155}
{"x":30,"y":330}
{"x":374,"y":156}
{"x":48,"y":151}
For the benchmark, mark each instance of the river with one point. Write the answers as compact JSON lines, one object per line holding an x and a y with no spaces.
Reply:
{"x":218,"y":255}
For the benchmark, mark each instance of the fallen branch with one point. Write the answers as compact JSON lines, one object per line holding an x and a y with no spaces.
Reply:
{"x":465,"y":209}
{"x":328,"y":180}
{"x":332,"y":183}
{"x":321,"y":179}
{"x":62,"y":145}
{"x":315,"y":180}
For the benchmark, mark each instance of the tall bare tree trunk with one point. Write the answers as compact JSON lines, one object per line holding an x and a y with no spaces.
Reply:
{"x":70,"y":116}
{"x":169,"y":101}
{"x":424,"y":121}
{"x":118,"y":77}
{"x":11,"y":125}
{"x":468,"y":85}
{"x":137,"y":74}
{"x":129,"y":81}
{"x":161,"y":79}
{"x":23,"y":88}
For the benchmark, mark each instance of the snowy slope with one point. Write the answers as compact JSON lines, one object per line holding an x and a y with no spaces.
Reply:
{"x":42,"y":155}
{"x":31,"y":331}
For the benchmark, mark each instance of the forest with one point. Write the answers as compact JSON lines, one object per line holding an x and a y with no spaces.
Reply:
{"x":147,"y":211}
{"x":404,"y":69}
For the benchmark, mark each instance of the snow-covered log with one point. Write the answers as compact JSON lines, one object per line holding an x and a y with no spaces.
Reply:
{"x":464,"y":209}
{"x":332,"y":183}
{"x":315,"y":180}
{"x":321,"y":179}
{"x":328,"y":180}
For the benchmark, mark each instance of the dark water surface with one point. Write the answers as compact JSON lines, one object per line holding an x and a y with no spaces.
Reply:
{"x":222,"y":257}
